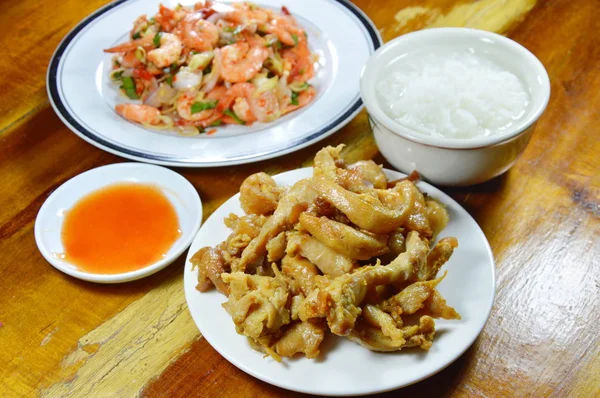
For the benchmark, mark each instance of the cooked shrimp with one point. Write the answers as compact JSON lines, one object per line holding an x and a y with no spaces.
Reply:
{"x":303,"y":99}
{"x":129,"y":60}
{"x":145,"y":42}
{"x":285,"y":28}
{"x":184,"y":108}
{"x":219,"y":54}
{"x":168,"y":52}
{"x":168,"y":18}
{"x":300,"y":60}
{"x":139,"y":113}
{"x":246,"y":14}
{"x":198,"y":34}
{"x":241,"y":61}
{"x":239,"y":90}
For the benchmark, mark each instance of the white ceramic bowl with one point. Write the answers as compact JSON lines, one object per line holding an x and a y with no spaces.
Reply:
{"x":182,"y":195}
{"x":454,"y":161}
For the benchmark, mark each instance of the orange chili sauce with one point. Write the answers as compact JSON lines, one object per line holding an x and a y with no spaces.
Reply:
{"x":122,"y":227}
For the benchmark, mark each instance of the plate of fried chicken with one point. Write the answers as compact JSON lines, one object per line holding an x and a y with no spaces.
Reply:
{"x":340,"y":279}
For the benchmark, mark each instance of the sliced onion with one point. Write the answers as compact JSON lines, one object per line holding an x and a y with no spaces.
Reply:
{"x":186,"y":80}
{"x":164,"y":94}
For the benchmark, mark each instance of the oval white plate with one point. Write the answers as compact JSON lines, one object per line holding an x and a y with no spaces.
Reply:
{"x":344,"y":367}
{"x":182,"y":194}
{"x":84,"y":98}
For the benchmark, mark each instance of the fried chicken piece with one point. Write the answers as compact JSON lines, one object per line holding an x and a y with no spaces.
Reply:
{"x":276,"y":248}
{"x":374,"y":339}
{"x":417,"y":219}
{"x":245,"y":229}
{"x":301,"y":271}
{"x":370,"y":172}
{"x":340,"y":301}
{"x":384,"y":321}
{"x":327,"y":162}
{"x":301,"y":193}
{"x":366,"y":211}
{"x":259,"y":194}
{"x":439,"y":256}
{"x":396,"y":242}
{"x":211,"y":265}
{"x":437,"y":307}
{"x":420,"y":296}
{"x":329,"y":261}
{"x":344,"y":239}
{"x":304,"y":337}
{"x":258,"y":306}
{"x":437,"y":216}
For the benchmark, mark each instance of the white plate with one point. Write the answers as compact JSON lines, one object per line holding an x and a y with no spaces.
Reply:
{"x":182,"y":195}
{"x":346,"y":368}
{"x":84,"y":98}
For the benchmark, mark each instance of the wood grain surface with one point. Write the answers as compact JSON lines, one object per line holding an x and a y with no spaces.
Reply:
{"x":63,"y":337}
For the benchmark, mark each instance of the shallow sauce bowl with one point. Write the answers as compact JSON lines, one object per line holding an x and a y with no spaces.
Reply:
{"x":454,"y":161}
{"x":180,"y":193}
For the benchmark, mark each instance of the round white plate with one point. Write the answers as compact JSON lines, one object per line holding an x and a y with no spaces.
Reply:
{"x":344,"y":367}
{"x":84,"y":98}
{"x":182,"y":195}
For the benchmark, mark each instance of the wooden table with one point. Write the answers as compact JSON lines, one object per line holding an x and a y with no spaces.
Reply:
{"x":60,"y":336}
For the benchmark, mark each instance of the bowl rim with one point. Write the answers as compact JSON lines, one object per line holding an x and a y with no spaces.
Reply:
{"x":375,"y":111}
{"x":186,"y":238}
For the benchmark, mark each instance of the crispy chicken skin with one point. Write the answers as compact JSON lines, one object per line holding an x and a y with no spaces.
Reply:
{"x":370,"y":172}
{"x":374,"y":338}
{"x":363,"y":210}
{"x":439,"y":256}
{"x":437,"y":215}
{"x":343,"y":238}
{"x":259,"y":194}
{"x":258,"y":305}
{"x":328,"y":162}
{"x":304,"y":337}
{"x":307,"y":260}
{"x":276,"y":248}
{"x":301,"y":192}
{"x":340,"y":301}
{"x":416,"y":297}
{"x":211,"y":265}
{"x":301,"y":271}
{"x":330,"y":262}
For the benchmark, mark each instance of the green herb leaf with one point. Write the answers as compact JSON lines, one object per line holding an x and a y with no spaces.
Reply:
{"x":216,"y":123}
{"x":156,"y":39}
{"x":202,"y":106}
{"x":169,"y":80}
{"x":295,"y":38}
{"x":136,"y":35}
{"x":294,"y":99}
{"x":117,"y":75}
{"x":129,"y":87}
{"x":232,"y":115}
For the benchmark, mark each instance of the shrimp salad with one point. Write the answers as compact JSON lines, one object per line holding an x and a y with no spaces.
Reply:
{"x":194,"y":68}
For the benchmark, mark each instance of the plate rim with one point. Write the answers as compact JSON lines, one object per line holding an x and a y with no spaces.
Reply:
{"x":267,"y":379}
{"x":345,"y":117}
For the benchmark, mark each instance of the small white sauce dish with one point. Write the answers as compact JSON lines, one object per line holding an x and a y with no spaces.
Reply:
{"x":182,"y":195}
{"x":455,"y":161}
